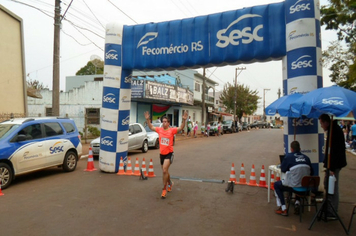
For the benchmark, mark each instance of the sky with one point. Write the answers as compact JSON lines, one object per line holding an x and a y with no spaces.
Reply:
{"x":83,"y":37}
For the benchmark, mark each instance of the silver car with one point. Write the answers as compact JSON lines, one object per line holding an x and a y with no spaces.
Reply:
{"x":137,"y":140}
{"x":153,"y":138}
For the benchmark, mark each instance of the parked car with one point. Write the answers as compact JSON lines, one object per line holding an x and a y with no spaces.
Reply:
{"x":213,"y":126}
{"x":245,"y":126}
{"x":153,"y":138}
{"x":31,"y":144}
{"x":228,"y":126}
{"x":137,"y":140}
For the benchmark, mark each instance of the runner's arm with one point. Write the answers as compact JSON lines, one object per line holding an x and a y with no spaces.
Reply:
{"x":149,"y":124}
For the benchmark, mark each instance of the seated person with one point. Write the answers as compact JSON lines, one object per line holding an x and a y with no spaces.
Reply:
{"x":296,"y":165}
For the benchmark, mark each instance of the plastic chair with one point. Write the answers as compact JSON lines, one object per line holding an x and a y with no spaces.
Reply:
{"x":306,"y":192}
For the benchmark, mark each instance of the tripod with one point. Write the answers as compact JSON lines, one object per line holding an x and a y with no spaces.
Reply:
{"x":323,"y":211}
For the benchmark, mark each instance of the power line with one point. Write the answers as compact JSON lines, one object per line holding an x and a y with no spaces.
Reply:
{"x":122,"y":11}
{"x":93,"y":14}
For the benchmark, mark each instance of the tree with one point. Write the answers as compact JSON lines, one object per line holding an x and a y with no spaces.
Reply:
{"x":340,"y":15}
{"x":35,"y":84}
{"x":246,"y":101}
{"x":94,"y":67}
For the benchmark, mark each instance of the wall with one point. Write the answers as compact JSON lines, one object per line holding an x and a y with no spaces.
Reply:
{"x":13,"y":94}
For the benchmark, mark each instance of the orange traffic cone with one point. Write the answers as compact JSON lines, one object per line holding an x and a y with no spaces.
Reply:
{"x":151,"y":172}
{"x":272,"y":180}
{"x":90,"y":165}
{"x":1,"y":193}
{"x":137,"y":168}
{"x":253,"y":177}
{"x":121,"y":168}
{"x":278,"y":178}
{"x":263,"y":178}
{"x":242,"y":175}
{"x":144,"y":170}
{"x":129,"y":168}
{"x":232,"y":174}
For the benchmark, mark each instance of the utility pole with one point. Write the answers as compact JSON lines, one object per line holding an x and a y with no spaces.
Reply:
{"x":235,"y":93}
{"x":56,"y":57}
{"x":264,"y":100}
{"x":203,"y":98}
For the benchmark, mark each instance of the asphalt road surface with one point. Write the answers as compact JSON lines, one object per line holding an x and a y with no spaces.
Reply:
{"x":52,"y":202}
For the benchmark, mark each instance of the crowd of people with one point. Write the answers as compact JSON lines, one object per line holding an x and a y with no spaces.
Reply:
{"x":349,"y":130}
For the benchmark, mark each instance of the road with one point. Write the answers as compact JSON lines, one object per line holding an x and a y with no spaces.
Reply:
{"x":52,"y":202}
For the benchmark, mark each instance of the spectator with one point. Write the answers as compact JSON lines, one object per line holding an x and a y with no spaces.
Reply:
{"x":337,"y":160}
{"x":296,"y":165}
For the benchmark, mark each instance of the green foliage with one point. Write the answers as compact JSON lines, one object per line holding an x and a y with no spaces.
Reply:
{"x":340,"y":15}
{"x":246,"y":99}
{"x":94,"y":131}
{"x":35,"y":84}
{"x":94,"y":67}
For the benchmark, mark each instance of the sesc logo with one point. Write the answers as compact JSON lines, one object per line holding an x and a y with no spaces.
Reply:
{"x":302,"y":122}
{"x":245,"y":35}
{"x":128,"y":79}
{"x":112,"y":55}
{"x":298,"y":6}
{"x":126,"y":121}
{"x":149,"y":37}
{"x":302,"y":62}
{"x":107,"y":141}
{"x":56,"y":148}
{"x":109,"y":98}
{"x":333,"y":101}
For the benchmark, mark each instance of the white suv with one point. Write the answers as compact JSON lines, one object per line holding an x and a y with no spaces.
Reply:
{"x":29,"y":144}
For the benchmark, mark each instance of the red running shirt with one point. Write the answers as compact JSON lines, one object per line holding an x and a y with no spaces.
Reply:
{"x":166,"y":139}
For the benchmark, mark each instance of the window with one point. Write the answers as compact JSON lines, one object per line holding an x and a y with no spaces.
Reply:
{"x":49,"y":111}
{"x":53,"y":129}
{"x":68,"y":127}
{"x":93,"y":116}
{"x":31,"y":132}
{"x":137,"y":129}
{"x":197,"y":87}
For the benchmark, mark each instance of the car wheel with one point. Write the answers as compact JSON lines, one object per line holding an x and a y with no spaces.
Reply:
{"x":145,"y":146}
{"x":70,"y":161}
{"x":157,"y":144}
{"x":6,"y":175}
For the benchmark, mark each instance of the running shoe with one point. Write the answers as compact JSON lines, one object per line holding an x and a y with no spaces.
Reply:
{"x":164,"y":193}
{"x":170,"y":185}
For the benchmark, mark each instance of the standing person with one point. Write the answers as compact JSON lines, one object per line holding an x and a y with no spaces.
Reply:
{"x":189,"y":126}
{"x":337,"y":159}
{"x":296,"y":165}
{"x":195,"y":129}
{"x":219,"y":128}
{"x":166,"y":137}
{"x":202,"y":129}
{"x":208,"y":130}
{"x":353,"y":131}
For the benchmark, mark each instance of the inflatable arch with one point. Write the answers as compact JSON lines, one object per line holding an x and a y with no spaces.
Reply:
{"x":287,"y":31}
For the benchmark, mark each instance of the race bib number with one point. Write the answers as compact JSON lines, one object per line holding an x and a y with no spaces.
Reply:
{"x":165,"y":141}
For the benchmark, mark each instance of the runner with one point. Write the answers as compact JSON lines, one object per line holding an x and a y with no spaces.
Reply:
{"x":166,"y":135}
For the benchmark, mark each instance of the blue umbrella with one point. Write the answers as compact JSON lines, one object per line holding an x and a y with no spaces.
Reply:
{"x":282,"y":106}
{"x":334,"y":100}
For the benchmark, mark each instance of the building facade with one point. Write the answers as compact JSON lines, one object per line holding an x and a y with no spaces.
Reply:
{"x":13,"y":94}
{"x":160,"y":93}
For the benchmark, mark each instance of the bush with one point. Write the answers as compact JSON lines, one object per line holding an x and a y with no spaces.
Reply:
{"x":94,"y":131}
